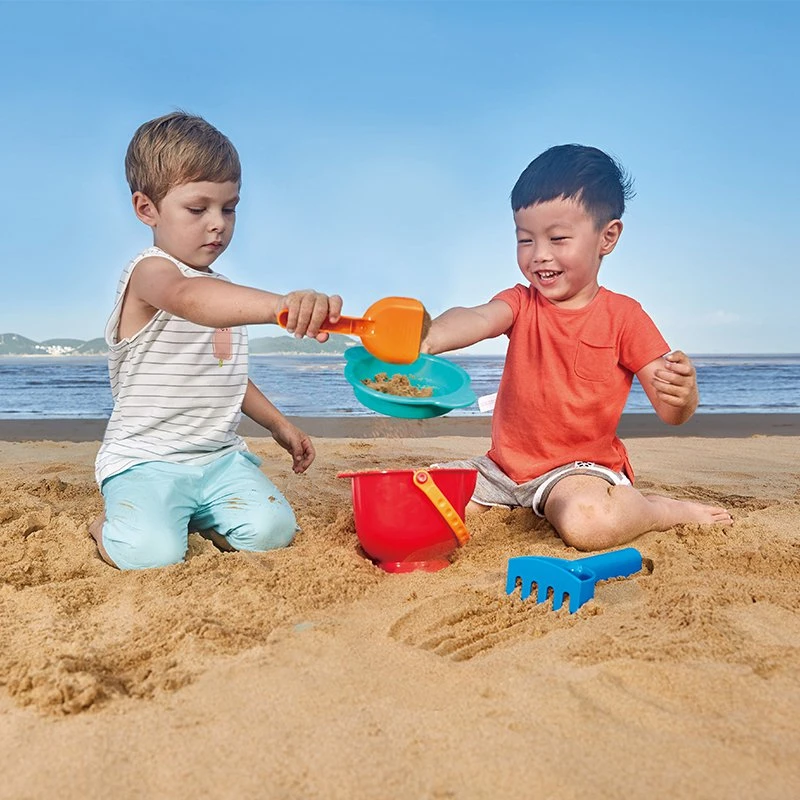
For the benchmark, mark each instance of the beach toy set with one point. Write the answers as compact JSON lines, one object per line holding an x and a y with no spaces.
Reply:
{"x":405,"y":519}
{"x":413,"y":519}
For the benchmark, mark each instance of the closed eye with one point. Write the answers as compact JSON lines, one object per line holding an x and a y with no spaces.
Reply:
{"x":195,"y":210}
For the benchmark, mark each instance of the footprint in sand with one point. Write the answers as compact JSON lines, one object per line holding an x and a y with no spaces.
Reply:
{"x":461,"y":626}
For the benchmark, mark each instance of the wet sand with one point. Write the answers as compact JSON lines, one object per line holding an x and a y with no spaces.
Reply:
{"x":370,"y":427}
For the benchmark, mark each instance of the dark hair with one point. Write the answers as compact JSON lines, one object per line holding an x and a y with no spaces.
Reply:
{"x":585,"y":174}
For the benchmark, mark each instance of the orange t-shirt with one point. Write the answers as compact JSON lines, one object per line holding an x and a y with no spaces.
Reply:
{"x":567,"y":376}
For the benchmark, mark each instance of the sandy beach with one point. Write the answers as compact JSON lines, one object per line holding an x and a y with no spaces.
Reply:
{"x":311,"y":673}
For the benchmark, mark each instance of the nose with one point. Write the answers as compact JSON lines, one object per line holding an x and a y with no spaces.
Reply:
{"x":216,"y":222}
{"x":541,"y":253}
{"x":537,"y":254}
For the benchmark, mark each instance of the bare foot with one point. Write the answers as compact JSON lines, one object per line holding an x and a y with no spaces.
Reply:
{"x":218,"y":540}
{"x":96,"y":531}
{"x":475,"y":508}
{"x":674,"y":512}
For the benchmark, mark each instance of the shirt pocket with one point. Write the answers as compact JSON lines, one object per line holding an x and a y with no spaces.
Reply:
{"x":594,"y":362}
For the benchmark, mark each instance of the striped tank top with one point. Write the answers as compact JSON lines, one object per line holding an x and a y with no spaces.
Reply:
{"x":177,"y":387}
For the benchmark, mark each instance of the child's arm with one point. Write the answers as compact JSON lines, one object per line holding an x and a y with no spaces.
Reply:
{"x":256,"y":406}
{"x":157,"y":283}
{"x":461,"y":327}
{"x":671,"y":385}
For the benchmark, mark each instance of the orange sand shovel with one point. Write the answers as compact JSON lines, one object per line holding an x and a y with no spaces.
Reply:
{"x":391,"y":329}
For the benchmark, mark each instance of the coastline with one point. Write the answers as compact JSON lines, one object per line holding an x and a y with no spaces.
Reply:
{"x":632,"y":426}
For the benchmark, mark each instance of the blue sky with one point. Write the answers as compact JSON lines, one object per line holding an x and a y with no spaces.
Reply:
{"x":380,"y":142}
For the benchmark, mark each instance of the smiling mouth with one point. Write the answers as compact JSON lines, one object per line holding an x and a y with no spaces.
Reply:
{"x":547,"y":275}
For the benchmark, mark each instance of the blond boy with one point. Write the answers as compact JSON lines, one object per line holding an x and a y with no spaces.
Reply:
{"x":171,"y":459}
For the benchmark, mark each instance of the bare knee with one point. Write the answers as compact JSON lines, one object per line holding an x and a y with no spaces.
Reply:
{"x":586,"y":525}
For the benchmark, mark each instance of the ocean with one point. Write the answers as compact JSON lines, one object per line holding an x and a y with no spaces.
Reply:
{"x":39,"y":387}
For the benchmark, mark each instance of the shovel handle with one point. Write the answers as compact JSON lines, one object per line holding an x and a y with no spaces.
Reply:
{"x":616,"y":564}
{"x":358,"y":326}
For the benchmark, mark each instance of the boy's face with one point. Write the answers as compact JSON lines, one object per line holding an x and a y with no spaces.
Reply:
{"x":193,"y":222}
{"x":559,"y":250}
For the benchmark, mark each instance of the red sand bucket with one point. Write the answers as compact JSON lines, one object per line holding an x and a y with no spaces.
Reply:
{"x":408,"y":519}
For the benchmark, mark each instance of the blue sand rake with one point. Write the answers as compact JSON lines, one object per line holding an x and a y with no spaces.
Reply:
{"x":575,"y":579}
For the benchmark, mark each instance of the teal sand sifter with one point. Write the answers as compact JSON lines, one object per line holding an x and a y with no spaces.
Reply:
{"x":450,"y":384}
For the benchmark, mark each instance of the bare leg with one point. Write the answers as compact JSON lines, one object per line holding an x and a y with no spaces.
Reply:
{"x":475,"y":508}
{"x":590,"y":514}
{"x":96,"y":530}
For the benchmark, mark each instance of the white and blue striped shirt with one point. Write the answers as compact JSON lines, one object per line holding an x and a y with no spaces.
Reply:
{"x":174,"y":398}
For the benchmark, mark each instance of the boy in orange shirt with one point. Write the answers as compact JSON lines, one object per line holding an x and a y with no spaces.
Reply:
{"x":573,"y":350}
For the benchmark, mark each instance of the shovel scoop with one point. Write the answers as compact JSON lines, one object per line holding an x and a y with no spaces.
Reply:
{"x":391,"y":329}
{"x":573,"y":579}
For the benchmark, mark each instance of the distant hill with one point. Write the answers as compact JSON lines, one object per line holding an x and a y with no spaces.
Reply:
{"x":94,"y":347}
{"x":12,"y":344}
{"x":288,"y":345}
{"x":67,"y":344}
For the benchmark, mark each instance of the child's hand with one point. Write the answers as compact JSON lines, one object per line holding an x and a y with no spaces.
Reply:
{"x":676,"y":382}
{"x":296,"y":443}
{"x":308,"y":310}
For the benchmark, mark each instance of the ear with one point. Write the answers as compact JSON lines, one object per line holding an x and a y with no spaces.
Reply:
{"x":610,"y":236}
{"x":145,"y":209}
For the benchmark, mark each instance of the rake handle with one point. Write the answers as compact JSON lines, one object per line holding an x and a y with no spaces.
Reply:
{"x":616,"y":564}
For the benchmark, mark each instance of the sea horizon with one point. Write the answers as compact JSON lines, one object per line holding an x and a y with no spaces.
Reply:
{"x":77,"y":387}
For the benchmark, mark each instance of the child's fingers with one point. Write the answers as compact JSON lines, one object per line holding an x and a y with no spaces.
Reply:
{"x":309,"y":310}
{"x":671,"y":400}
{"x":674,"y":394}
{"x":304,"y":307}
{"x":672,"y":371}
{"x":312,"y":314}
{"x":292,"y":302}
{"x":679,"y":362}
{"x":664,"y":377}
{"x":304,"y":455}
{"x":319,"y":314}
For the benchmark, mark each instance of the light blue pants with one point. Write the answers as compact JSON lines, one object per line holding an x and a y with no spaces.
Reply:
{"x":151,"y":507}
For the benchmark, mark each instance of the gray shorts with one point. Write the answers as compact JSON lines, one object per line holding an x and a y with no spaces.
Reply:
{"x":495,"y":488}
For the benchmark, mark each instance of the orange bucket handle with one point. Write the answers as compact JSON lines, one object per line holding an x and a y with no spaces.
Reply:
{"x":424,"y":481}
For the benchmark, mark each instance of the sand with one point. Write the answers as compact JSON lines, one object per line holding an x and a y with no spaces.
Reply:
{"x":310,"y":673}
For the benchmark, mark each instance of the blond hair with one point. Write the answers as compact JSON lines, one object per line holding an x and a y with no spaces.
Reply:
{"x":175,"y":149}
